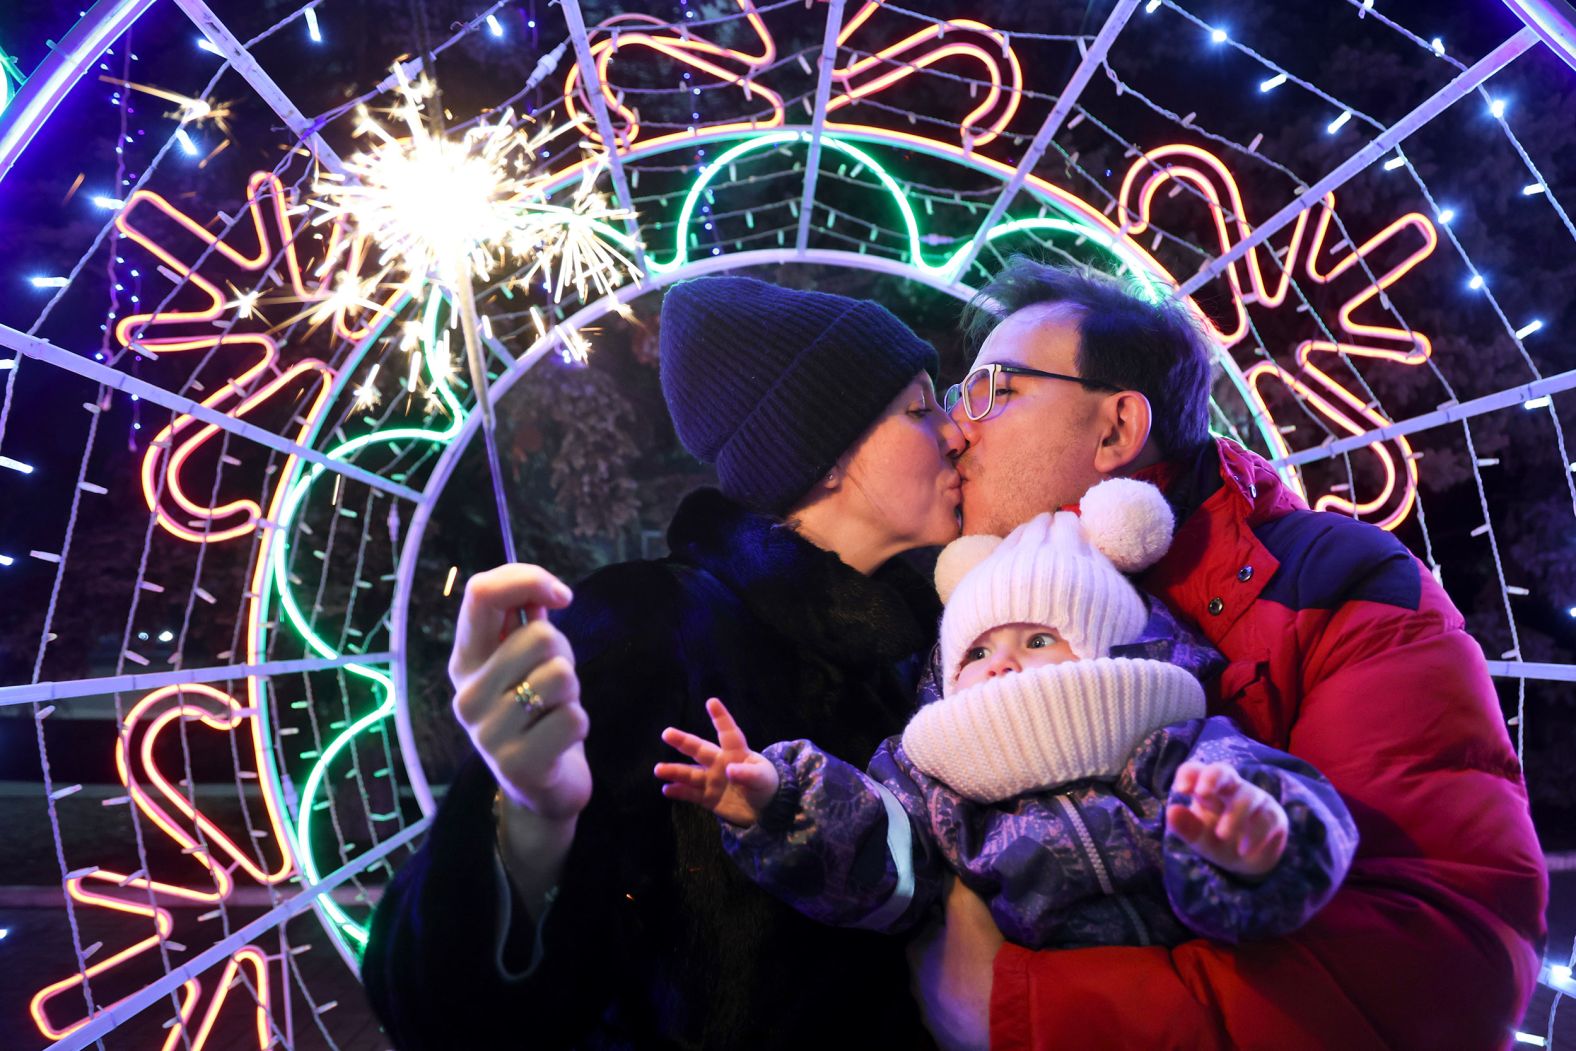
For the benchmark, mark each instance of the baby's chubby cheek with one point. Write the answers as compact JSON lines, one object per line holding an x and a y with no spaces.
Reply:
{"x":964,"y":680}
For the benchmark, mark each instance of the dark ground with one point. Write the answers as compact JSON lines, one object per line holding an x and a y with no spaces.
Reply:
{"x":37,"y":947}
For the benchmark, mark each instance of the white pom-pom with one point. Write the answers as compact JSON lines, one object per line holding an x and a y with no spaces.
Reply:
{"x":1128,"y":521}
{"x":960,"y":556}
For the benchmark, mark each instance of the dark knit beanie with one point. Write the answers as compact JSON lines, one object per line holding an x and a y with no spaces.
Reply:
{"x":773,"y":385}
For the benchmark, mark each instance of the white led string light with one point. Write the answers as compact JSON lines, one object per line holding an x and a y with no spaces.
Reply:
{"x":764,"y":226}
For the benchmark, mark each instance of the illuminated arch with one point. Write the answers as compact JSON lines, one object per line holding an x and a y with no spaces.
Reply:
{"x":305,"y":468}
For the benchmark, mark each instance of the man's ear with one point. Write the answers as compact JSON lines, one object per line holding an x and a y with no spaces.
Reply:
{"x":1124,"y":432}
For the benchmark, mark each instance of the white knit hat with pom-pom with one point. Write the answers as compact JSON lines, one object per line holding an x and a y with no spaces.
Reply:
{"x":1059,"y":570}
{"x":1127,"y":521}
{"x":1050,"y":725}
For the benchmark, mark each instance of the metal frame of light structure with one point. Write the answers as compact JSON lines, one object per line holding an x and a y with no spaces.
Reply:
{"x":1462,"y":85}
{"x":1090,"y":221}
{"x":1552,"y":20}
{"x":262,"y":190}
{"x":44,"y":89}
{"x":937,"y":274}
{"x":166,"y":456}
{"x":276,"y":558}
{"x":104,"y":23}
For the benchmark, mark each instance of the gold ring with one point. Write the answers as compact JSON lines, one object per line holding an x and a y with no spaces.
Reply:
{"x":529,"y":699}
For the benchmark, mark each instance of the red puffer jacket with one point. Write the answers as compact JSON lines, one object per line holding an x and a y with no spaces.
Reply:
{"x":1345,"y":652}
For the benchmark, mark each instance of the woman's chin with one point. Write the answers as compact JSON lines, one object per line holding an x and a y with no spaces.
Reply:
{"x":947,"y":530}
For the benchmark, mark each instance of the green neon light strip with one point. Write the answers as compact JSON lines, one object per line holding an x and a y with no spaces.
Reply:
{"x":10,"y":78}
{"x":1155,"y":283}
{"x":382,"y":684}
{"x":916,"y":253}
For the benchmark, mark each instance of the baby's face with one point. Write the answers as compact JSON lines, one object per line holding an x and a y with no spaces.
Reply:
{"x":1012,"y":648}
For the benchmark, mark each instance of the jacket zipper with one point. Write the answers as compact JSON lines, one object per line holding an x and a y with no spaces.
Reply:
{"x":1098,"y":864}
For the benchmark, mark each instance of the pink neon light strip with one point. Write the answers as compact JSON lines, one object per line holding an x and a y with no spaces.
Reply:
{"x":891,"y":65}
{"x":1327,"y":396}
{"x":218,"y":711}
{"x":267,"y":207}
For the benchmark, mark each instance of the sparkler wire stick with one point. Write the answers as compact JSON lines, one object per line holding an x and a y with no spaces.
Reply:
{"x":466,"y":295}
{"x":446,"y":211}
{"x":459,"y":267}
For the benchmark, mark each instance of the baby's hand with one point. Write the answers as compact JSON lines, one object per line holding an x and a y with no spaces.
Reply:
{"x":1232,"y":823}
{"x":727,"y":778}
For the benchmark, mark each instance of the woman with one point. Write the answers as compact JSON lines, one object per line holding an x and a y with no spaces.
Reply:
{"x":620,"y":922}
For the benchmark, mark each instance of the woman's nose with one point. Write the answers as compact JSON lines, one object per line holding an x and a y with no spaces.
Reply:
{"x":964,"y":426}
{"x":953,"y":441}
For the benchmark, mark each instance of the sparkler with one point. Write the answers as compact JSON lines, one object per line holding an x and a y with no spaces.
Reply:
{"x":446,"y":212}
{"x":245,"y":303}
{"x":441,"y":210}
{"x":367,"y":394}
{"x":188,"y":110}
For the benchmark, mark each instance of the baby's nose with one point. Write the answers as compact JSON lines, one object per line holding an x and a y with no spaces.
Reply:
{"x":1001,"y":665}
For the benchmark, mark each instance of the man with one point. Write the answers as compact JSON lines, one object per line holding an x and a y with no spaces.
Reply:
{"x":1343,"y":650}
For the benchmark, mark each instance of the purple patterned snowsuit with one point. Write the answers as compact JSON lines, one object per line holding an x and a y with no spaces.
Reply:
{"x":1085,"y":863}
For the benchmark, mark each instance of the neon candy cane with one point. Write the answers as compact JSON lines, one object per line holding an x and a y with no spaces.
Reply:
{"x":683,"y":47}
{"x":218,"y":711}
{"x":267,"y":207}
{"x":1324,"y":394}
{"x":906,"y":57}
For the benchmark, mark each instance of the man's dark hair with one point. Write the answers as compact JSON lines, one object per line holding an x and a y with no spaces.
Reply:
{"x":1124,"y":339}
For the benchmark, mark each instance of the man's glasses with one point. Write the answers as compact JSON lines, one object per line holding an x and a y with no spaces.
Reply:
{"x":978,"y":389}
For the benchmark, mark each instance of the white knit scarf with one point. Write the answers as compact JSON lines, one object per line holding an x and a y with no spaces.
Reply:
{"x":1036,"y":729}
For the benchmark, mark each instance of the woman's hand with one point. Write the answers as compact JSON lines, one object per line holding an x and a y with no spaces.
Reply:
{"x":727,"y":778}
{"x":537,"y":756}
{"x":1231,"y":822}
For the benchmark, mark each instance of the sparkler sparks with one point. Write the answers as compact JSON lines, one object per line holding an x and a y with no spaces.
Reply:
{"x":445,"y":209}
{"x":577,"y":349}
{"x":367,"y":394}
{"x":245,"y":303}
{"x":433,"y":405}
{"x":574,"y":349}
{"x":188,"y":110}
{"x":578,"y":240}
{"x":350,"y":296}
{"x":440,"y":363}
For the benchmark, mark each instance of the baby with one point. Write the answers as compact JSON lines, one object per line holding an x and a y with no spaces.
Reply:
{"x":1082,"y":793}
